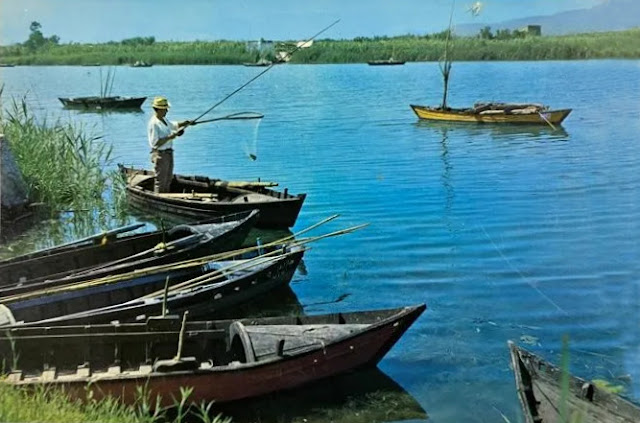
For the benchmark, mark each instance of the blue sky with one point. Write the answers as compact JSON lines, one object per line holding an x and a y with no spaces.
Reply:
{"x":107,"y":20}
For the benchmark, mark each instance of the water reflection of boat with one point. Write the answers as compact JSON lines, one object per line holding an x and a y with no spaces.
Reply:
{"x":498,"y":131}
{"x":369,"y":394}
{"x":544,"y":399}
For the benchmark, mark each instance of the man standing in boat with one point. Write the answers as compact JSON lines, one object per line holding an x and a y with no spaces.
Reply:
{"x":161,"y":133}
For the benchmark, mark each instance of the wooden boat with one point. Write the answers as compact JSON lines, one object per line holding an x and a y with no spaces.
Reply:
{"x":199,"y":197}
{"x":204,"y":287}
{"x":6,"y":65}
{"x":541,"y":396}
{"x":386,"y":62}
{"x":103,"y":103}
{"x":259,"y":63}
{"x":141,"y":64}
{"x":222,"y":361}
{"x":128,"y":251}
{"x":494,"y":113}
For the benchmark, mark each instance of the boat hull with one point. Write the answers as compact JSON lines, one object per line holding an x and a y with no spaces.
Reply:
{"x":278,"y":210}
{"x":22,"y":273}
{"x":247,"y":379}
{"x":542,"y":396}
{"x":103,"y":103}
{"x":466,"y":115}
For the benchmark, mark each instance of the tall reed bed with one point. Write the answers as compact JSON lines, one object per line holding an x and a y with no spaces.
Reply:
{"x":622,"y":44}
{"x":64,"y":168}
{"x":46,"y":404}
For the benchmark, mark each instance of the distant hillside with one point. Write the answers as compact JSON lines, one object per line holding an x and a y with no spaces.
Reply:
{"x":613,"y":15}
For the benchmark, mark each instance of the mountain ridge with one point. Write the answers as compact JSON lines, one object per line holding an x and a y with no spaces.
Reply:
{"x":612,"y":15}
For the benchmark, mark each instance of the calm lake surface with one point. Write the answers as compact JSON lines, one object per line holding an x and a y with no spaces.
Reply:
{"x":507,"y":233}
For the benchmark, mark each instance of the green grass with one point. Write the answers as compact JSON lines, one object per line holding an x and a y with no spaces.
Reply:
{"x":620,"y":44}
{"x":63,"y":167}
{"x":52,"y":405}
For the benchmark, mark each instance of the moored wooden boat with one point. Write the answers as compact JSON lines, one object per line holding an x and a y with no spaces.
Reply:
{"x":485,"y":113}
{"x":222,"y":361}
{"x":202,"y":286}
{"x":199,"y":197}
{"x":125,"y":253}
{"x":541,"y":395}
{"x":103,"y":103}
{"x":387,"y":62}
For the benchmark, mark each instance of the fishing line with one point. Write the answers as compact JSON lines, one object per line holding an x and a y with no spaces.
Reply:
{"x":542,"y":294}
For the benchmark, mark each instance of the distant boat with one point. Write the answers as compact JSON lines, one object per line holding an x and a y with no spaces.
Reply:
{"x":103,"y":103}
{"x":92,"y":64}
{"x":261,"y":62}
{"x":6,"y":65}
{"x":390,"y":61}
{"x":494,"y":113}
{"x":141,"y":64}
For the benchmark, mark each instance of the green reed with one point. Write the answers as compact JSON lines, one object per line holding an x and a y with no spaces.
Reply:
{"x":47,"y":404}
{"x":620,"y":44}
{"x":63,"y":167}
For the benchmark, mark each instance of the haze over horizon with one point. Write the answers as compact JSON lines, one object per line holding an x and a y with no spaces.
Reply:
{"x":88,"y":21}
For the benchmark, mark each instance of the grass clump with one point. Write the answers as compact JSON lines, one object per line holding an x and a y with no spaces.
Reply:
{"x":63,"y":167}
{"x":46,"y":404}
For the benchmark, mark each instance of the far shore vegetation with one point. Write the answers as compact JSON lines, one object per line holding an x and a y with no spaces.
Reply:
{"x":486,"y":45}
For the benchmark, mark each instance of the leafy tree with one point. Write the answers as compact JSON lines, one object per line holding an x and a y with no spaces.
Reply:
{"x":37,"y":40}
{"x":485,"y":33}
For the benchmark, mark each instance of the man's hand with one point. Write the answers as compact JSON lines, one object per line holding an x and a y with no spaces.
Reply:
{"x":180,"y":132}
{"x":186,"y":123}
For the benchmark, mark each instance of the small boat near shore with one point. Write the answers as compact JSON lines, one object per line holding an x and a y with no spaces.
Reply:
{"x":387,"y":62}
{"x":129,"y":251}
{"x":223,"y":361}
{"x":102,"y":103}
{"x":200,"y":197}
{"x":495,"y":113}
{"x":203,"y":286}
{"x":259,"y":63}
{"x":141,"y":64}
{"x":542,"y":398}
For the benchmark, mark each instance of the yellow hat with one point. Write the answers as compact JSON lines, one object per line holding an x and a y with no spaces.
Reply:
{"x":160,"y":103}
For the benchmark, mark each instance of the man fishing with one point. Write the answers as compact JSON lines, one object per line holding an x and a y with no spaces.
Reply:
{"x":162,"y":132}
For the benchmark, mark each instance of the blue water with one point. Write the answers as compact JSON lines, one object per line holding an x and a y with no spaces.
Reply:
{"x":514,"y":233}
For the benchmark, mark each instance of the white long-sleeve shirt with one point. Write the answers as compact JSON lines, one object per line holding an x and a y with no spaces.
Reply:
{"x":156,"y":130}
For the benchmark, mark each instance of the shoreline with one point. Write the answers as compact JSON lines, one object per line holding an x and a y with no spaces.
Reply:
{"x":428,"y":48}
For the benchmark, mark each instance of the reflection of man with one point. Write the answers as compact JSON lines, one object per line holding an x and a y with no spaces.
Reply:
{"x":161,"y":134}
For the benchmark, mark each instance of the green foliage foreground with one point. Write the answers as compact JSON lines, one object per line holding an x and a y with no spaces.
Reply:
{"x":621,"y":44}
{"x":52,"y":405}
{"x":64,"y":168}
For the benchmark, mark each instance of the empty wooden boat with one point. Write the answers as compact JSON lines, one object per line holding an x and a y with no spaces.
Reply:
{"x":124,"y":252}
{"x":541,"y":395}
{"x":102,"y":103}
{"x":222,"y":361}
{"x":203,"y":286}
{"x":199,"y":197}
{"x":494,"y":113}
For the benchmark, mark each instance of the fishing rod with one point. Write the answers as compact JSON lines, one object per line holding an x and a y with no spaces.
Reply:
{"x":261,"y":73}
{"x":234,"y":116}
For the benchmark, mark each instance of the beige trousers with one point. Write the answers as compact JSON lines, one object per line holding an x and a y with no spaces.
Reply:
{"x":163,"y":166}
